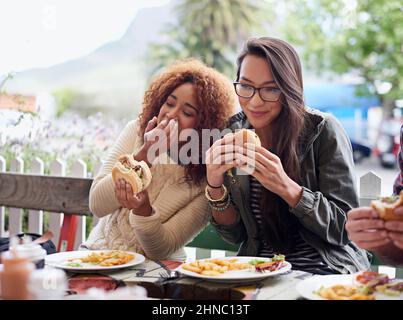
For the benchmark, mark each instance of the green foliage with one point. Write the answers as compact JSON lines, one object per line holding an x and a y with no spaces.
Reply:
{"x":209,"y":30}
{"x":30,"y":153}
{"x":6,"y":78}
{"x":65,"y":98}
{"x":362,"y":37}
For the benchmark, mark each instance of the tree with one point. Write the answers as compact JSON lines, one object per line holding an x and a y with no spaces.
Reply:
{"x":210,"y":30}
{"x":362,"y":37}
{"x":65,"y":98}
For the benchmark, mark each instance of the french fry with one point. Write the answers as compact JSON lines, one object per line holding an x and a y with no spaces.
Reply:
{"x":224,"y":269}
{"x":191,"y":268}
{"x":215,"y":267}
{"x":343,"y":292}
{"x":108,"y":258}
{"x":210,"y":273}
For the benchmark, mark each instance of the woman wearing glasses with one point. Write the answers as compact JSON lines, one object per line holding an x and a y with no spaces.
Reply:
{"x":302,"y":182}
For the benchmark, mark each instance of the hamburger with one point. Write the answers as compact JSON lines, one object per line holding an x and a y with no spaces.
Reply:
{"x":136,"y":173}
{"x":386,"y":207}
{"x":246,"y":136}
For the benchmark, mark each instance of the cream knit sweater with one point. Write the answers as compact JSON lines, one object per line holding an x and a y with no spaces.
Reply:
{"x":180,"y":210}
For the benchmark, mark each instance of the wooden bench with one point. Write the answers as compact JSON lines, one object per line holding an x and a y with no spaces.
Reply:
{"x":59,"y":195}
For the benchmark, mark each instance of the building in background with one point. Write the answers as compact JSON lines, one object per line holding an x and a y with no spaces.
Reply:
{"x":361,"y":117}
{"x":17,"y":102}
{"x":341,"y":101}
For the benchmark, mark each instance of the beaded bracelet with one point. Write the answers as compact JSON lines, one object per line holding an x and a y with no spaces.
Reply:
{"x":220,"y":208}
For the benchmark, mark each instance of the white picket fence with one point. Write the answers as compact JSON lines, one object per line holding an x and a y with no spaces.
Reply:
{"x":370,"y":188}
{"x":35,"y":218}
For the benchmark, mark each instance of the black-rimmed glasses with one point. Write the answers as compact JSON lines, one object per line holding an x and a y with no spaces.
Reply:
{"x":266,"y":93}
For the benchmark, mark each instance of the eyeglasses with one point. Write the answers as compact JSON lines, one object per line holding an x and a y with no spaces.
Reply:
{"x":266,"y":93}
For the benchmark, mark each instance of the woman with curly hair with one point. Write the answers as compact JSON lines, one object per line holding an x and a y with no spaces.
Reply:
{"x":173,"y":210}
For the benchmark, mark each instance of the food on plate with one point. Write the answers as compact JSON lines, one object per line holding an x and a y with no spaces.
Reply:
{"x":277,"y":262}
{"x":246,"y":136}
{"x":365,"y":286}
{"x":136,"y":173}
{"x":378,"y":282}
{"x":344,"y":292}
{"x":103,"y":258}
{"x":390,"y":289}
{"x":216,"y":267}
{"x":386,"y":207}
{"x":371,"y":278}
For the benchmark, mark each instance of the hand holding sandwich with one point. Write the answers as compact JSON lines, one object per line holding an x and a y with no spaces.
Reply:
{"x":138,"y":202}
{"x":366,"y":229}
{"x":243,"y":150}
{"x":131,"y":179}
{"x":382,"y":224}
{"x":395,"y":229}
{"x":269,"y":171}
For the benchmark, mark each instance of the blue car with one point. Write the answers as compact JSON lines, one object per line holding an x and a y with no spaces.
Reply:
{"x":360,"y":151}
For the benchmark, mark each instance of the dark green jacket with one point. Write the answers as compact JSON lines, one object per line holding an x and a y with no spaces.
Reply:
{"x":329,"y":192}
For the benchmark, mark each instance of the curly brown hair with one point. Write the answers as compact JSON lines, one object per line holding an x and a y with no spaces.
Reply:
{"x":215,"y":97}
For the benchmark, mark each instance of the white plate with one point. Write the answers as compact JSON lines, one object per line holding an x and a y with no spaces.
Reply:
{"x":247,"y":275}
{"x":307,"y":287}
{"x":59,"y":260}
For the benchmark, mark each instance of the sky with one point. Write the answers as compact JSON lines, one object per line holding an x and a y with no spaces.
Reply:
{"x":41,"y":33}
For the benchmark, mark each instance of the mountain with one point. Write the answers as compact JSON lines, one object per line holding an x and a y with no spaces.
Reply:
{"x":112,"y":77}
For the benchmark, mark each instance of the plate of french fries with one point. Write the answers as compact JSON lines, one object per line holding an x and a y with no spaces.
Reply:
{"x":346,"y":287}
{"x":94,"y":260}
{"x":235,"y":269}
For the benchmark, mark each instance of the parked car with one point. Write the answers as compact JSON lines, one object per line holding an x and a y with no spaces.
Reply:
{"x":360,"y":151}
{"x":387,"y":149}
{"x":388,"y":142}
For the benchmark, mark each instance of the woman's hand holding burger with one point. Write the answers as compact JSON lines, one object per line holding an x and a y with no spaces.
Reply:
{"x":138,"y":202}
{"x":378,"y":225}
{"x":243,"y":150}
{"x":132,"y":178}
{"x":268,"y":170}
{"x":220,"y":157}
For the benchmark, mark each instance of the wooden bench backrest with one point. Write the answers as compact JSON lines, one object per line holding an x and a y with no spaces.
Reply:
{"x":49,"y":193}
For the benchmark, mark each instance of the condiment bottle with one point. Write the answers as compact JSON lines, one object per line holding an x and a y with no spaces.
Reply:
{"x":15,"y":274}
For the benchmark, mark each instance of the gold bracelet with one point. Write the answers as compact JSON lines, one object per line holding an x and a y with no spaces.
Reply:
{"x":209,"y":198}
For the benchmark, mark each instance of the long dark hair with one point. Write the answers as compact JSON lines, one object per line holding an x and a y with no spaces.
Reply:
{"x":285,"y":66}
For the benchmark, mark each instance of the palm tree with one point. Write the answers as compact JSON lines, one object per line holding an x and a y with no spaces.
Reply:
{"x":210,"y":30}
{"x":225,"y":21}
